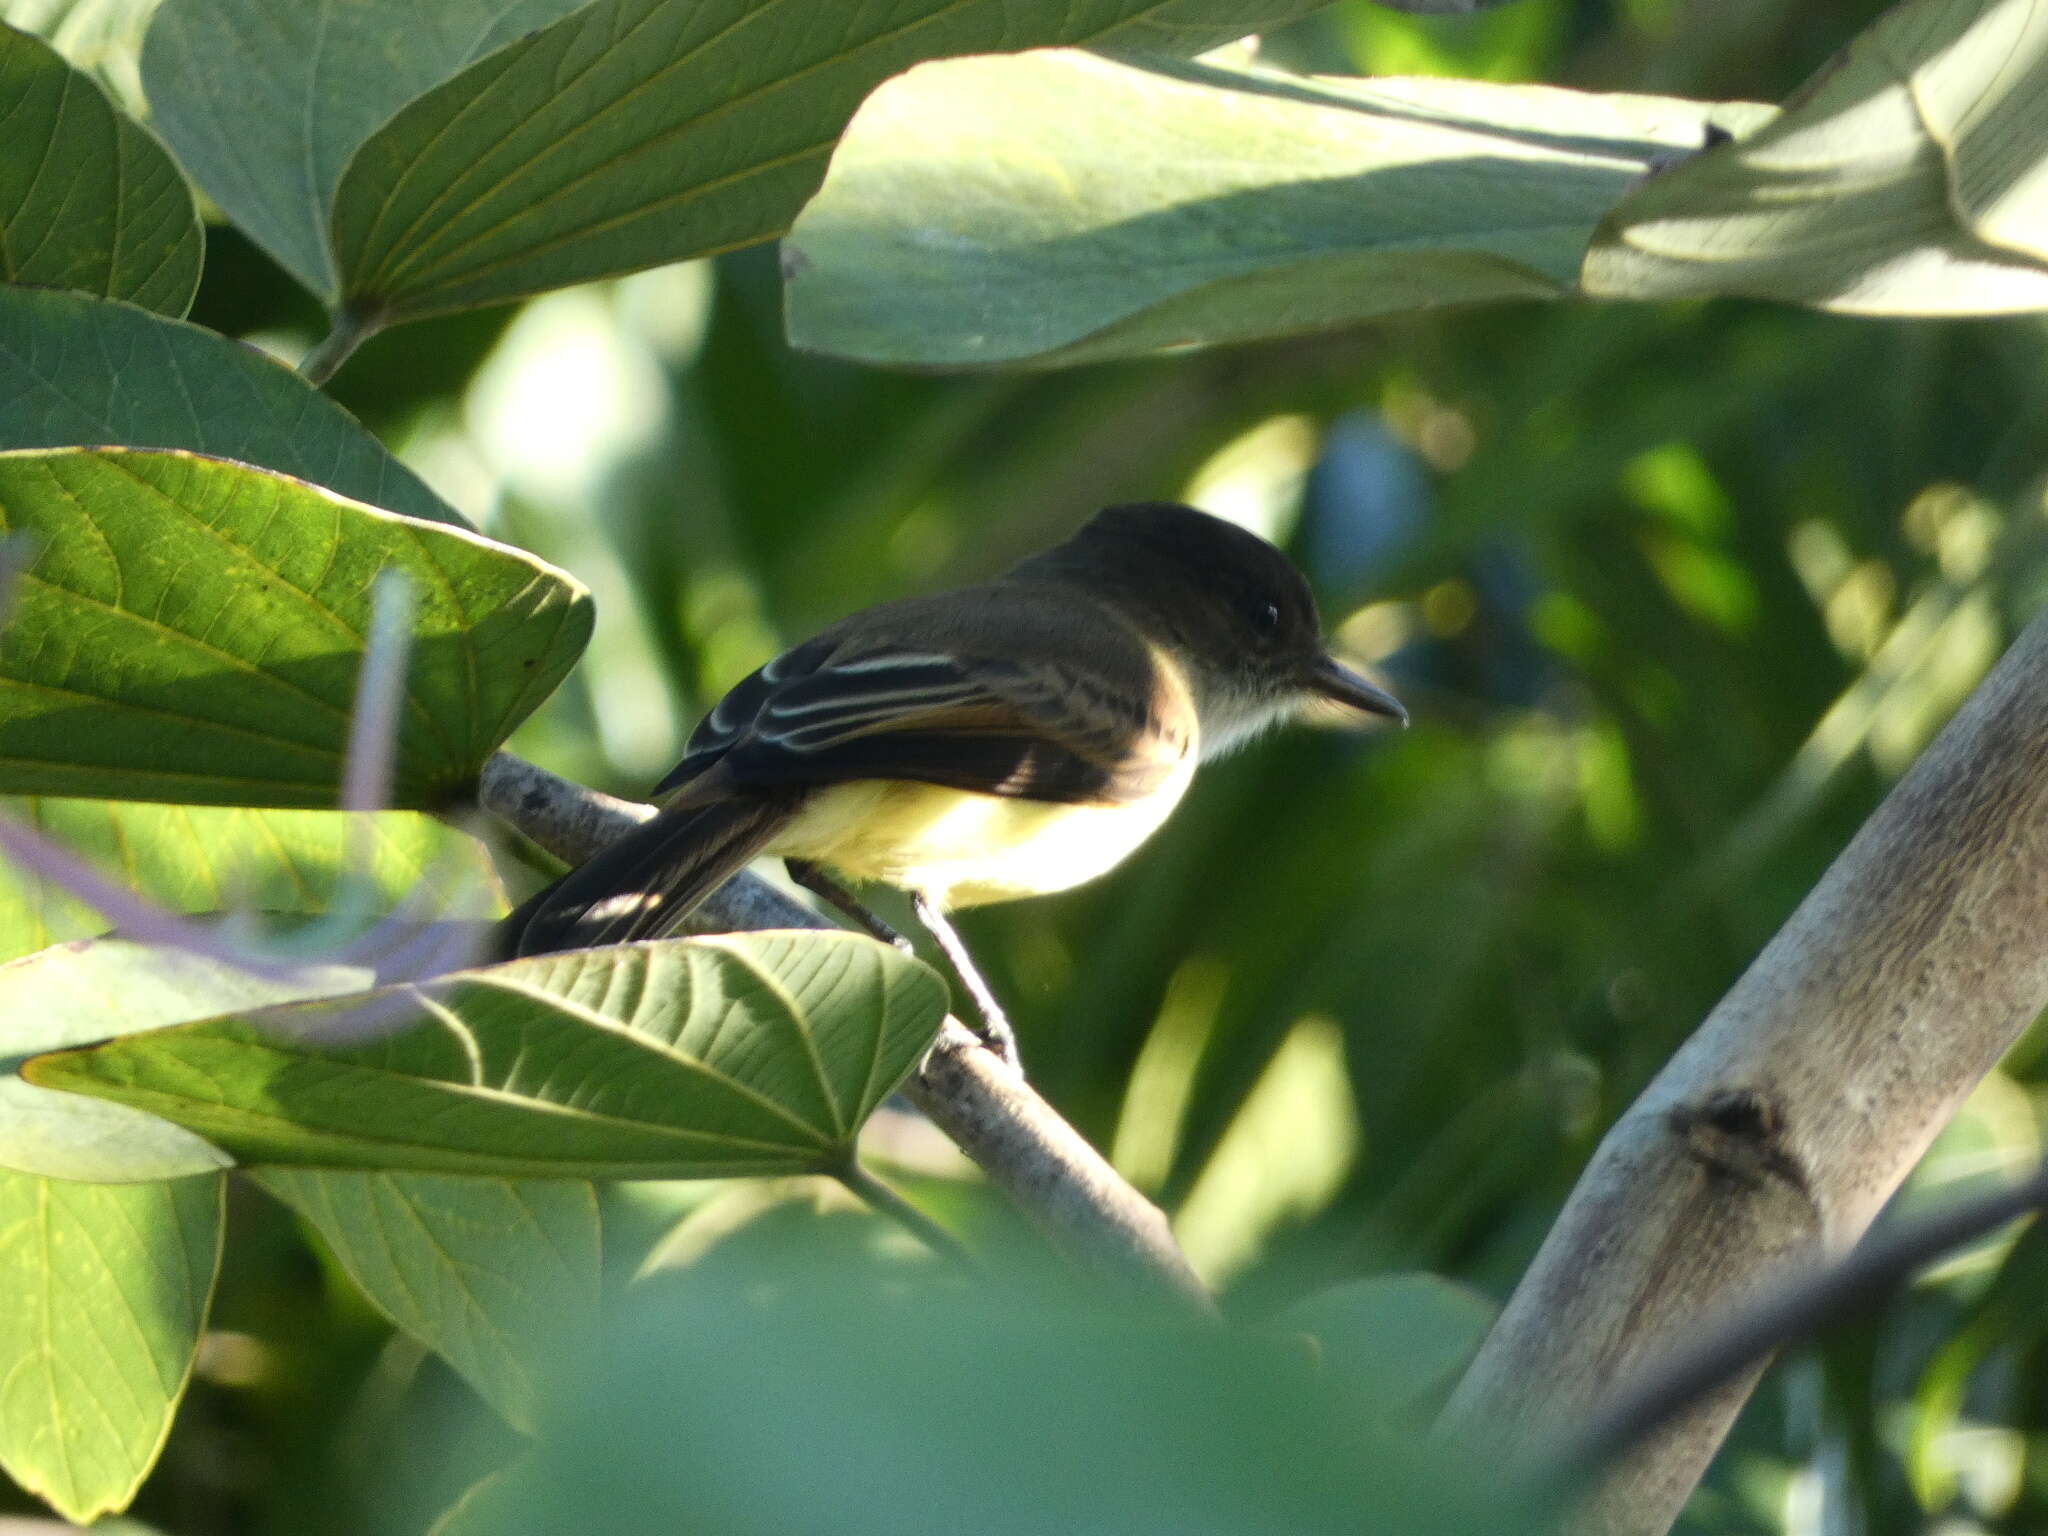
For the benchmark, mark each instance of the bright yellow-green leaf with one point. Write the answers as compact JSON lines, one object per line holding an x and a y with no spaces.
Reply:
{"x":107,"y":1288}
{"x":192,"y":630}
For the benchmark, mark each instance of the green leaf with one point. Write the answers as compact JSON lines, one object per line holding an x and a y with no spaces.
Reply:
{"x":637,"y":132}
{"x":264,"y":103}
{"x":1907,"y":178}
{"x":75,"y":994}
{"x":1061,"y":207}
{"x":495,"y":1276}
{"x":226,"y":610}
{"x":76,"y":370}
{"x":1396,"y":1339}
{"x":747,"y":1054}
{"x":192,"y":858}
{"x":87,"y":199}
{"x":107,"y":1289}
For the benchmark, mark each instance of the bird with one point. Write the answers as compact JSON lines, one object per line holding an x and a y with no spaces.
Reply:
{"x":1011,"y":738}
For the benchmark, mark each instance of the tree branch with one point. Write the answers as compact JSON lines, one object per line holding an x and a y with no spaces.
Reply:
{"x":1774,"y":1136}
{"x":1060,"y":1182}
{"x":1876,"y":1270}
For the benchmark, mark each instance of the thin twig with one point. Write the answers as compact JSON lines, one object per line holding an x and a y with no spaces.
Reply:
{"x":884,"y":1198}
{"x":1873,"y":1272}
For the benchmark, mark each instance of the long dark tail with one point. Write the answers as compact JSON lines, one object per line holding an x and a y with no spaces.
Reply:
{"x":643,"y":886}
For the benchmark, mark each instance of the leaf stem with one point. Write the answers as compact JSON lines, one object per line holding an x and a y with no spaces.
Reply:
{"x":353,"y":325}
{"x":884,"y":1199}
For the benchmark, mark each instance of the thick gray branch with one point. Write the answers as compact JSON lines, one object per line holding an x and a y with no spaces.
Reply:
{"x":1773,"y":1137}
{"x":1082,"y":1205}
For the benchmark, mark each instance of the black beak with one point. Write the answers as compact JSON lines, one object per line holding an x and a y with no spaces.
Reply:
{"x":1331,"y":679}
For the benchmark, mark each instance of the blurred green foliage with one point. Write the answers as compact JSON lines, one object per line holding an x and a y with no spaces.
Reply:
{"x":1673,"y":593}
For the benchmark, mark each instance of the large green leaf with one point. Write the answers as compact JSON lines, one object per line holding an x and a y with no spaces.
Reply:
{"x":87,"y":199}
{"x":264,"y":103}
{"x":82,"y":371}
{"x":496,"y":1276}
{"x":194,"y":858}
{"x":673,"y":1059}
{"x":1910,"y":177}
{"x":1061,"y":207}
{"x":192,"y":629}
{"x":636,"y":132}
{"x":107,"y":1289}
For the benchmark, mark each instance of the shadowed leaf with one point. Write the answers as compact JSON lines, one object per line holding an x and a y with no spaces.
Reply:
{"x":87,"y":199}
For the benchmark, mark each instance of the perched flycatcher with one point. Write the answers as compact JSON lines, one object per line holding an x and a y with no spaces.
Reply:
{"x":999,"y":740}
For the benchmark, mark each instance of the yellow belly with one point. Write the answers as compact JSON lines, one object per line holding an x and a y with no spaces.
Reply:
{"x":962,"y":849}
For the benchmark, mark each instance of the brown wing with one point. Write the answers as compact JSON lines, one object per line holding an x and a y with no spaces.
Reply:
{"x":1037,"y":728}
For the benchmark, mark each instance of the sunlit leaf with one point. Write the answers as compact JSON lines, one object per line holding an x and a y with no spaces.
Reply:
{"x":226,"y":610}
{"x":496,"y":1276}
{"x":101,"y":37}
{"x":636,"y":132}
{"x":196,"y":858}
{"x":107,"y":1289}
{"x":87,"y":199}
{"x":264,"y":103}
{"x":1059,"y":206}
{"x":671,"y":1059}
{"x":76,"y":994}
{"x":1907,"y":178}
{"x":76,"y":370}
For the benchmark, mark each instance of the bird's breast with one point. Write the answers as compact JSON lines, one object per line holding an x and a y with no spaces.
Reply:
{"x":961,"y":848}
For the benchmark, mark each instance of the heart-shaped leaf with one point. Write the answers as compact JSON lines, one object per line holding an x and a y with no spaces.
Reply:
{"x":1909,"y":177}
{"x":226,"y":610}
{"x":225,"y":77}
{"x":748,"y":1054}
{"x":77,"y":370}
{"x":88,"y":200}
{"x":196,"y":858}
{"x":1061,"y":207}
{"x":636,"y":132}
{"x":107,"y":1288}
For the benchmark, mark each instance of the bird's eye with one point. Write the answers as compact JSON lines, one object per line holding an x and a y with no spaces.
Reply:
{"x":1266,"y":617}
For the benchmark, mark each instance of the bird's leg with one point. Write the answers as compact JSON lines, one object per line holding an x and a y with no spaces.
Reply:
{"x":995,"y":1031}
{"x":814,"y":879}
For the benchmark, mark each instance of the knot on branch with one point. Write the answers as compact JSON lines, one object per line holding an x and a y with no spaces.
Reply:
{"x":1740,"y":1132}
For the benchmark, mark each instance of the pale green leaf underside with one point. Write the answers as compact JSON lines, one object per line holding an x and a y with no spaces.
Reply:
{"x":88,"y":200}
{"x":107,"y":1289}
{"x":191,"y":630}
{"x":264,"y":103}
{"x":197,"y":858}
{"x":78,"y":370}
{"x":674,"y":1059}
{"x":1060,"y":206}
{"x":76,"y":994}
{"x":637,"y":132}
{"x":1910,"y":178}
{"x":499,"y":1278}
